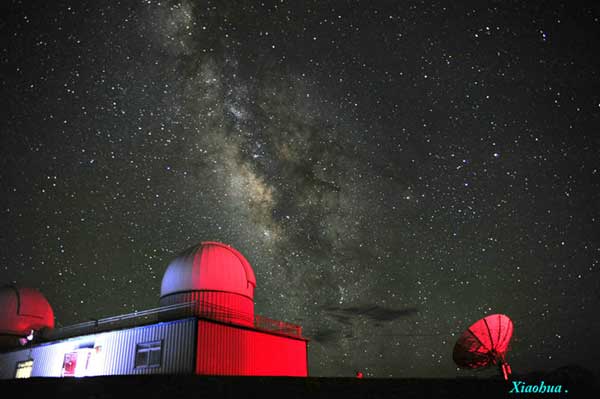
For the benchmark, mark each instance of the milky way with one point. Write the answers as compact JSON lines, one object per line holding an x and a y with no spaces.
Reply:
{"x":392,"y":172}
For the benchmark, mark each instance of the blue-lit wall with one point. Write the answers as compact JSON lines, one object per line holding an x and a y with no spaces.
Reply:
{"x":111,"y":353}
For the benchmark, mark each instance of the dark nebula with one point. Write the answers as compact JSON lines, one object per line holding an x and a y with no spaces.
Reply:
{"x":393,"y":171}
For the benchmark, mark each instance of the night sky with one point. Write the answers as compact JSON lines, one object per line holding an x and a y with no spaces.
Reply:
{"x":393,"y":171}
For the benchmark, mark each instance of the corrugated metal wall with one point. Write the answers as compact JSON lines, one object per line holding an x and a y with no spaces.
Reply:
{"x":177,"y":353}
{"x":224,"y":306}
{"x":230,"y":350}
{"x":116,"y":353}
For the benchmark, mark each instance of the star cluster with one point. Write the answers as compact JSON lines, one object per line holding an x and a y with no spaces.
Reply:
{"x":393,"y":172}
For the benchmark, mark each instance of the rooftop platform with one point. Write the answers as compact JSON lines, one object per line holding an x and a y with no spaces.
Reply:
{"x":168,"y":313}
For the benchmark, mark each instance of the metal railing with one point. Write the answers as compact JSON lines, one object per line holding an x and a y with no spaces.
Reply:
{"x":199,"y":309}
{"x":282,"y":327}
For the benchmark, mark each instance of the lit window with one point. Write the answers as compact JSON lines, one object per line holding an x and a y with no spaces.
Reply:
{"x":69,"y":364}
{"x":78,"y":363}
{"x":24,"y":369}
{"x":148,"y":354}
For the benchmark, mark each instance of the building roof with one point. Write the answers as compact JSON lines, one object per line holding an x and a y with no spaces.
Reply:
{"x":167,"y":314}
{"x":209,"y":266}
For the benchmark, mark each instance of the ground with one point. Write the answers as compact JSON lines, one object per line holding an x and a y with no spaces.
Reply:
{"x":170,"y":386}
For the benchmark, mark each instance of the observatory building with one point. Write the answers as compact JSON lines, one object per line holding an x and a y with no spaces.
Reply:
{"x":205,"y":325}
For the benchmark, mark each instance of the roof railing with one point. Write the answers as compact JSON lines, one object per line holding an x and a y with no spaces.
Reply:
{"x":282,"y":327}
{"x":201,"y":309}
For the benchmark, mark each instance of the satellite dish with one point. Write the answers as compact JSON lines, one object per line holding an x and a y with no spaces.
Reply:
{"x":485,"y":343}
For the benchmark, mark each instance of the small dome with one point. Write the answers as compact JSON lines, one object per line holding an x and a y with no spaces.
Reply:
{"x":216,"y":278}
{"x":209,"y":266}
{"x":23,"y":310}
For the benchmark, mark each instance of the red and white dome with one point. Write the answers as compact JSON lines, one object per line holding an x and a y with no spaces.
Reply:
{"x":23,"y":310}
{"x":215,"y":275}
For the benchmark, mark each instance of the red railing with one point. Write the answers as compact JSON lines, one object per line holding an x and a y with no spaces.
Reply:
{"x":282,"y":327}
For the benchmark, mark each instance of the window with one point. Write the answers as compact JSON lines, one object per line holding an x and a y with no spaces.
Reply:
{"x":69,"y":364}
{"x":148,"y":354}
{"x":24,"y":369}
{"x":77,"y":363}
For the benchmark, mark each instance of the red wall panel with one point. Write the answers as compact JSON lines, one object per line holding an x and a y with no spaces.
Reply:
{"x":231,"y":350}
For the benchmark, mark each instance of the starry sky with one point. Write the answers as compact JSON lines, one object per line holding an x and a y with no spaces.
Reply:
{"x":393,"y":171}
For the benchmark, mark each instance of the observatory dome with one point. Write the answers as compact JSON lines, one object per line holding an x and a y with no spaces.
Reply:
{"x":217,"y":277}
{"x":23,"y":310}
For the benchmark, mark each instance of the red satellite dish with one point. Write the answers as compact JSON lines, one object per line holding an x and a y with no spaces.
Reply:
{"x":485,"y":343}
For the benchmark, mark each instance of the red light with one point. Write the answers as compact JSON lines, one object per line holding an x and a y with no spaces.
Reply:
{"x":230,"y":350}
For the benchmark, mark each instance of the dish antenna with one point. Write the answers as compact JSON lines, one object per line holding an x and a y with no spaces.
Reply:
{"x":485,"y":343}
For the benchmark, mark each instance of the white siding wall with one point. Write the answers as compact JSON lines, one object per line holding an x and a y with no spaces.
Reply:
{"x":117,"y":352}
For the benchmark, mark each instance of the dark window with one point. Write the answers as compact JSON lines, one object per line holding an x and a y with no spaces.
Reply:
{"x":148,"y":354}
